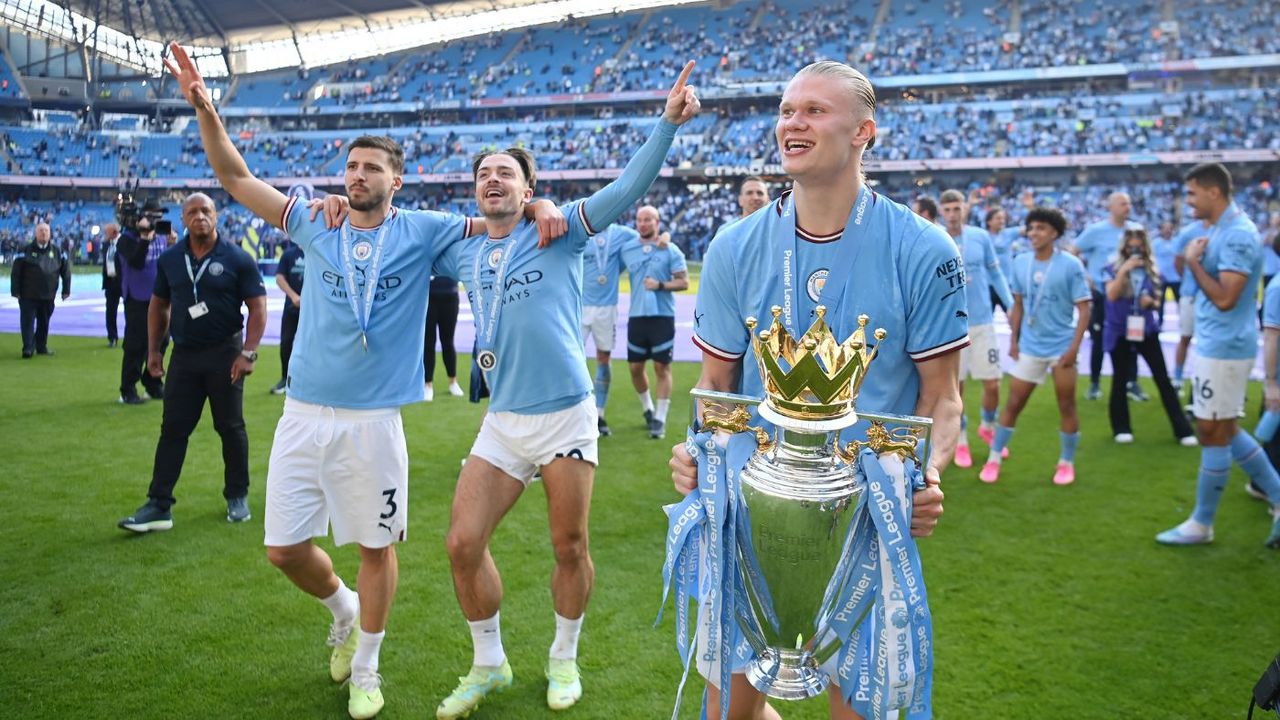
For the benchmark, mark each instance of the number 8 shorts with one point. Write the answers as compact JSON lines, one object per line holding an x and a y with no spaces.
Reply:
{"x":981,"y":359}
{"x":348,"y":468}
{"x":1218,"y":387}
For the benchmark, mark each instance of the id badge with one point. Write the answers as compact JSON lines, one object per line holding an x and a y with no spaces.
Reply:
{"x":1136,"y":328}
{"x":198,"y":310}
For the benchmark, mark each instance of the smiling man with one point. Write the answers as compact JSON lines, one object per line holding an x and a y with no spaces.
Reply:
{"x":832,"y":241}
{"x":541,"y":418}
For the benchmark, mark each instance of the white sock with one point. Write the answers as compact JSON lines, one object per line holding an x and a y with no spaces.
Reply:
{"x":486,"y":640}
{"x":364,"y":665}
{"x":646,"y":402}
{"x":664,"y":404}
{"x":565,"y":646}
{"x":963,"y":440}
{"x":994,"y":457}
{"x":344,"y":604}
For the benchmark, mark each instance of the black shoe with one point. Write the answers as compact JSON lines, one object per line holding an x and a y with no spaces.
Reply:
{"x":149,"y":517}
{"x":648,"y":420}
{"x":26,"y":354}
{"x":278,"y":388}
{"x":156,"y":393}
{"x":45,"y":351}
{"x":603,"y":427}
{"x":657,"y":429}
{"x":1136,"y":393}
{"x":111,"y":343}
{"x":132,"y":400}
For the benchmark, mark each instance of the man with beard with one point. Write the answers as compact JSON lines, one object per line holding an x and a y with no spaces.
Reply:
{"x":339,"y":455}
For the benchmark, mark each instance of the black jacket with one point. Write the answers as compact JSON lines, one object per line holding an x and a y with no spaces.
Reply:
{"x":112,"y":283}
{"x":36,"y":272}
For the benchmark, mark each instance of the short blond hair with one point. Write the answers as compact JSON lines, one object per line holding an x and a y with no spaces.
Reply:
{"x":859,"y":86}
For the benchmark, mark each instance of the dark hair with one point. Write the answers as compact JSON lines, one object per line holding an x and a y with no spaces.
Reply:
{"x":523,"y":158}
{"x":951,"y":196}
{"x":751,"y":178}
{"x":991,"y":214}
{"x":926,"y":207}
{"x":383,"y":143}
{"x":1052,"y":217}
{"x":1211,"y":175}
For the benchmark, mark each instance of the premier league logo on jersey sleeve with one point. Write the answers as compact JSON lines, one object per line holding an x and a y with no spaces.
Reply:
{"x":362,"y":250}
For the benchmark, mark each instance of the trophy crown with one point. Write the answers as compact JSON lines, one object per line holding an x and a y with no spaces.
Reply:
{"x":815,"y":377}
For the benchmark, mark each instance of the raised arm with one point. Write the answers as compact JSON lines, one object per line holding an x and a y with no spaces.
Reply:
{"x":609,"y":202}
{"x":264,"y":200}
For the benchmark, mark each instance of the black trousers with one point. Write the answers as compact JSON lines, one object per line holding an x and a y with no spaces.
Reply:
{"x":196,"y":375}
{"x":1124,"y":360}
{"x":133,"y":364}
{"x":113,"y":307}
{"x":995,"y":301}
{"x":33,"y":316}
{"x":442,"y":319}
{"x":288,"y":329}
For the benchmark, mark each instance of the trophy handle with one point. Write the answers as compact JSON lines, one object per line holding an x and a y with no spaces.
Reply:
{"x":728,"y":412}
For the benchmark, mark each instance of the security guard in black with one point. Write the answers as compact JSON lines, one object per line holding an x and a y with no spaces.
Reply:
{"x":201,"y":284}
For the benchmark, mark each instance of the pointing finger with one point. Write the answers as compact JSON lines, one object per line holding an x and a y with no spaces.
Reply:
{"x":684,"y":76}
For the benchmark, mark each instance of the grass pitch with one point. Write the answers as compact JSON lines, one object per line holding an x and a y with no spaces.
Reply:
{"x":1048,"y":602}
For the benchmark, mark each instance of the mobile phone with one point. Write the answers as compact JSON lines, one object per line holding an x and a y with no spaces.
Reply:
{"x":164,"y":227}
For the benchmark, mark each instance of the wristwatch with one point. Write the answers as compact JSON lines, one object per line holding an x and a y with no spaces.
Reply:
{"x":250,"y":355}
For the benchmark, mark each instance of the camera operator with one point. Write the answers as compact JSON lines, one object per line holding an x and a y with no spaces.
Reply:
{"x":140,"y":245}
{"x":1131,"y":328}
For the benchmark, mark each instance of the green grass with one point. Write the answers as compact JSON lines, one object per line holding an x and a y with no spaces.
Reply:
{"x":1049,"y":602}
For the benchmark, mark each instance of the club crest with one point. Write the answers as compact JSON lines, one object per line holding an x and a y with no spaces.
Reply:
{"x":815,"y":283}
{"x":495,"y":256}
{"x":362,"y":250}
{"x":216,"y":269}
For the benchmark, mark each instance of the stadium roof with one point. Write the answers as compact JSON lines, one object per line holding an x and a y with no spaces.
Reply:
{"x":233,"y":22}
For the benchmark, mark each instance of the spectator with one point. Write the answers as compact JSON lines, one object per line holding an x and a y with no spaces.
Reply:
{"x":34,"y":281}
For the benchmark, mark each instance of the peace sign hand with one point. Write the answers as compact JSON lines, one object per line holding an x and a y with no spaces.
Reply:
{"x":682,"y":101}
{"x":188,"y":77}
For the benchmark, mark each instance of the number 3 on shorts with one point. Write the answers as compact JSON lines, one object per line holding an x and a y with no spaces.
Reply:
{"x":391,"y":503}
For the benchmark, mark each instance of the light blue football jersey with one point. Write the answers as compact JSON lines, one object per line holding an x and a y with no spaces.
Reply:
{"x":1050,"y":290}
{"x":1190,"y":231}
{"x":1233,"y":247}
{"x":1165,"y":251}
{"x":330,"y":365}
{"x":900,"y":270}
{"x":1099,"y":244}
{"x":603,"y":259}
{"x":982,"y":270}
{"x":1003,"y":242}
{"x":646,"y":260}
{"x":538,"y":337}
{"x":1271,"y":307}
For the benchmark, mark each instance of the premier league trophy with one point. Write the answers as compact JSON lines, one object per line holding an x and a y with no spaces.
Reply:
{"x":818,"y":532}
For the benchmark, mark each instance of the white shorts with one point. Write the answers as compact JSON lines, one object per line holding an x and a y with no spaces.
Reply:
{"x":600,"y":323}
{"x":348,"y":468}
{"x":1033,"y":369}
{"x":1218,"y":387}
{"x":981,"y":359}
{"x":1187,"y":315}
{"x":519,"y":445}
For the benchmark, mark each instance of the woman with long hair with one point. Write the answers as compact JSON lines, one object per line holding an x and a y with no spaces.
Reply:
{"x":1132,"y":328}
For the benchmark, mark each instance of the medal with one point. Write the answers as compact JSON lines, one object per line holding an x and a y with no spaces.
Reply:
{"x":603,"y":279}
{"x":364,"y":341}
{"x":486,"y":360}
{"x":488,"y":306}
{"x":363,"y":250}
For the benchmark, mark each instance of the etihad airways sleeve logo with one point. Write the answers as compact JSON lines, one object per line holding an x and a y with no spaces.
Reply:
{"x":952,"y":273}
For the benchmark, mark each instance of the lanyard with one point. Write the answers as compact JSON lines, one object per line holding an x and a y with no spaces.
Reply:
{"x":841,"y":270}
{"x":601,"y":252}
{"x":370,"y":275}
{"x":487,"y":320}
{"x":1031,"y":274}
{"x":195,"y":276}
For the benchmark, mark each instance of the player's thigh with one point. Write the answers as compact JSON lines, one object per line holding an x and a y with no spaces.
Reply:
{"x":1031,"y":369}
{"x":365,"y":475}
{"x":483,"y":496}
{"x":1218,"y":387}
